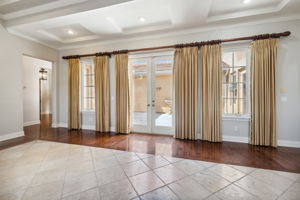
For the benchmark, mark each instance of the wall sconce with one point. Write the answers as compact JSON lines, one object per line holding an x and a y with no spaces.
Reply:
{"x":43,"y":74}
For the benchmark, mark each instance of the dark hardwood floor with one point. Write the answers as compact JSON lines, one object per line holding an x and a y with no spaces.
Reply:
{"x":281,"y":158}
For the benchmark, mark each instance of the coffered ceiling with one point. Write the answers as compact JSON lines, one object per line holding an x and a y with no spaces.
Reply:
{"x":68,"y":23}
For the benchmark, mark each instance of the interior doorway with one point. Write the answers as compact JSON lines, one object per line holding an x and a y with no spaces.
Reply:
{"x":151,"y":85}
{"x":37,"y":90}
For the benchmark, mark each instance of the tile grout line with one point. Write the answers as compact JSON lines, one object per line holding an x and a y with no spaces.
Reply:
{"x":29,"y":185}
{"x":129,"y":178}
{"x":65,"y":174}
{"x":293,"y":183}
{"x":37,"y":170}
{"x":152,"y":170}
{"x":95,"y":174}
{"x":167,"y":185}
{"x":169,"y":163}
{"x":230,"y":182}
{"x":86,"y":189}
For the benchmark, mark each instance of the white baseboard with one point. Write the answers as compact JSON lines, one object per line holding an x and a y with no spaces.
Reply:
{"x":235,"y":139}
{"x":282,"y":143}
{"x":11,"y":135}
{"x":31,"y":123}
{"x":289,"y":143}
{"x":85,"y":127}
{"x":46,"y":113}
{"x":88,"y":127}
{"x":62,"y":125}
{"x":227,"y":138}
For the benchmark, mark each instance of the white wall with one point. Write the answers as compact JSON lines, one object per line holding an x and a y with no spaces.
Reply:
{"x":288,"y":74}
{"x":11,"y":106}
{"x":31,"y":100}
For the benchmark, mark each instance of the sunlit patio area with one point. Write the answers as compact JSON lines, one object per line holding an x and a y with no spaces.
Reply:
{"x":161,"y":119}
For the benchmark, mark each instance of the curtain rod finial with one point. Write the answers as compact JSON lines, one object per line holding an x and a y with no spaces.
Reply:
{"x":287,"y":33}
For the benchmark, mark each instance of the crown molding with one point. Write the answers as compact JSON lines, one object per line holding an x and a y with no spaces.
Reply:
{"x":154,"y":36}
{"x":248,"y":13}
{"x":183,"y":32}
{"x":41,"y":8}
{"x":31,"y":38}
{"x":57,"y":9}
{"x":7,"y":2}
{"x":66,"y":41}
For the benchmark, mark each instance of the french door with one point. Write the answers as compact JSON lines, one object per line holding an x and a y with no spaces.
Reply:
{"x":151,"y":84}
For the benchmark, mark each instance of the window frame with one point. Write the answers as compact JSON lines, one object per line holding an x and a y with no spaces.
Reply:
{"x":84,"y":62}
{"x":247,"y":114}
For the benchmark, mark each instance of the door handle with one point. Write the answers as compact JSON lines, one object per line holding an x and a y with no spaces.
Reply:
{"x":148,"y":105}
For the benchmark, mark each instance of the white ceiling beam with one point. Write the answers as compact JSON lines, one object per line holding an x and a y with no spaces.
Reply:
{"x":184,"y":12}
{"x":114,"y":24}
{"x":6,"y":2}
{"x":252,"y":12}
{"x":41,"y":8}
{"x":85,"y":5}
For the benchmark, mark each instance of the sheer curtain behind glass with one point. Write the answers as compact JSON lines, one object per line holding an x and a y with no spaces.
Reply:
{"x":74,"y":121}
{"x":263,"y":105}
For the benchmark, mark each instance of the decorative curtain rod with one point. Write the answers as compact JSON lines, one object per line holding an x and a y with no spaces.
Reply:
{"x":194,"y":44}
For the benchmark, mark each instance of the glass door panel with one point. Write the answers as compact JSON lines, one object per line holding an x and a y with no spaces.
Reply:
{"x":151,"y":94}
{"x":139,"y":80}
{"x":162,"y":95}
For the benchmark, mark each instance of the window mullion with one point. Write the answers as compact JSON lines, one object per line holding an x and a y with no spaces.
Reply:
{"x":232,"y":108}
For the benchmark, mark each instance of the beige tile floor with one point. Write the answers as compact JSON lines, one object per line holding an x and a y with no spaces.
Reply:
{"x":48,"y":170}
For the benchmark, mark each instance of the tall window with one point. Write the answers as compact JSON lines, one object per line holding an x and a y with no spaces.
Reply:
{"x":88,"y":86}
{"x":235,"y":97}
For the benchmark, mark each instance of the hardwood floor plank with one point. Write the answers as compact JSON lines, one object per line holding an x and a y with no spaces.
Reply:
{"x":281,"y":158}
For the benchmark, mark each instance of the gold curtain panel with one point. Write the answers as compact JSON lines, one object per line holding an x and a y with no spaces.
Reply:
{"x":74,"y":121}
{"x":263,"y":105}
{"x":122,"y":94}
{"x":102,"y":93}
{"x":211,"y":93}
{"x":186,"y":91}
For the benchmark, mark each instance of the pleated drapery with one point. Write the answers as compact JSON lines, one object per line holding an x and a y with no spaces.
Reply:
{"x":185,"y":75}
{"x":122,"y":94}
{"x":74,"y":119}
{"x":263,"y":105}
{"x":211,"y":92}
{"x":102,"y":93}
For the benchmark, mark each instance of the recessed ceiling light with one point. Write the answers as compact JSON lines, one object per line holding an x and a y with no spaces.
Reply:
{"x":246,"y":1}
{"x":142,"y":19}
{"x":70,"y":32}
